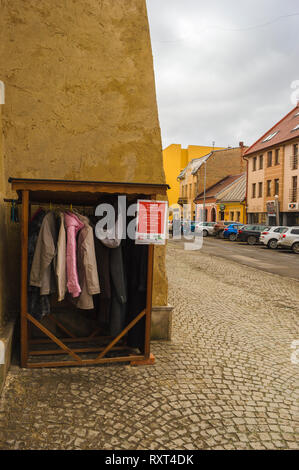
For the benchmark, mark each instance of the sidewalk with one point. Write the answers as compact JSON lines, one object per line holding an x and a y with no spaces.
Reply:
{"x":225,"y":381}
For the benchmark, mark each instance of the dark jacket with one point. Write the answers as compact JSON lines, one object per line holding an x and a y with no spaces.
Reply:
{"x":136,"y":273}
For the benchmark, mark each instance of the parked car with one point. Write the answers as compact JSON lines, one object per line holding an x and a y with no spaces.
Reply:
{"x":270,"y":237}
{"x":251,"y":233}
{"x":205,"y":227}
{"x":187,"y":226}
{"x":231,"y":232}
{"x":290,"y":239}
{"x":220,"y":226}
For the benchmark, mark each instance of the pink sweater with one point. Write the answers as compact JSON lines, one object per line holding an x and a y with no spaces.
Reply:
{"x":72,"y":225}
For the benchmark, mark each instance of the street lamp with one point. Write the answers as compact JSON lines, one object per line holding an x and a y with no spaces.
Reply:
{"x":276,"y":208}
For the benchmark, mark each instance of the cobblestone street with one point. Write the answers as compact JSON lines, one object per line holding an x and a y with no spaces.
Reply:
{"x":226,"y":381}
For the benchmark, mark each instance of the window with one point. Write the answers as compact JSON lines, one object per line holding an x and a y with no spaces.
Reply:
{"x":268,"y":187}
{"x":270,"y":136}
{"x":238,"y":217}
{"x":276,"y":186}
{"x":294,"y":189}
{"x":295,"y":231}
{"x":260,"y":189}
{"x":261,"y":161}
{"x":277,"y":156}
{"x":222,"y":215}
{"x":190,"y":190}
{"x":269,"y":158}
{"x":253,"y":190}
{"x":254,"y":164}
{"x":232,"y":215}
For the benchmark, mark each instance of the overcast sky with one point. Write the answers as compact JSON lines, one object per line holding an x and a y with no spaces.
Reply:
{"x":223,"y":68}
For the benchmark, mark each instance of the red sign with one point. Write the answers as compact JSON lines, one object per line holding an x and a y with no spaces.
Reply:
{"x":151,"y":222}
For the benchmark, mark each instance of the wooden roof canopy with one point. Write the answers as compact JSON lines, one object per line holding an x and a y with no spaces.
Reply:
{"x":73,"y":191}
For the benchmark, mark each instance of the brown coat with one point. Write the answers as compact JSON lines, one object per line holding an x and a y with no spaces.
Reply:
{"x":87,"y":266}
{"x":44,"y":254}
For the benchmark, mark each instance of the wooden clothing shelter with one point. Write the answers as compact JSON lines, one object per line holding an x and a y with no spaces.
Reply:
{"x":83,"y":193}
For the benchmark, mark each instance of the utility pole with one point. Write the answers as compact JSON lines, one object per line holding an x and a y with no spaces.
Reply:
{"x":204,"y":192}
{"x":277,"y":209}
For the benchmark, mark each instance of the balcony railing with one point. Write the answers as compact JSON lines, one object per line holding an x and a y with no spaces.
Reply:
{"x":294,"y":195}
{"x":294,"y":162}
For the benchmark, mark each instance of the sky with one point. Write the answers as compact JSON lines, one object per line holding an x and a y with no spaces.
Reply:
{"x":226,"y":70}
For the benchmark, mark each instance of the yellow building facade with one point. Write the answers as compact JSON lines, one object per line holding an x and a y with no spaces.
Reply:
{"x":175,"y":159}
{"x":232,"y":211}
{"x":231,"y":204}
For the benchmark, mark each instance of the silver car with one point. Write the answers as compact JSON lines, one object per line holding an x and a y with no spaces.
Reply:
{"x":290,"y":239}
{"x":205,"y":227}
{"x":271,"y":236}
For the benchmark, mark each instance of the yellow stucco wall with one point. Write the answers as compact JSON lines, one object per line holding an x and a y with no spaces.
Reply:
{"x":175,"y":159}
{"x":232,"y":207}
{"x":2,"y":224}
{"x":80,"y":98}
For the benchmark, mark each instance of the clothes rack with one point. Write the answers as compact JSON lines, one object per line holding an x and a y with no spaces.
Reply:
{"x":78,"y":193}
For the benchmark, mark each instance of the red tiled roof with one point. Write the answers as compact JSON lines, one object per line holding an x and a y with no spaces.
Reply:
{"x":284,"y":129}
{"x":212,"y":191}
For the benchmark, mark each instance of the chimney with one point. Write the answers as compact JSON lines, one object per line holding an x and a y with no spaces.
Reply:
{"x":241,"y":145}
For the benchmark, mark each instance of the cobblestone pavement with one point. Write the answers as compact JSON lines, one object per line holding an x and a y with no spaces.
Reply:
{"x":226,"y":380}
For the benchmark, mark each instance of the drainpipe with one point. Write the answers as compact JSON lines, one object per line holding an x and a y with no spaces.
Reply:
{"x":204,"y":193}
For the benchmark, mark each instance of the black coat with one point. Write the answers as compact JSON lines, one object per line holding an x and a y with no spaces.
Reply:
{"x":136,"y":272}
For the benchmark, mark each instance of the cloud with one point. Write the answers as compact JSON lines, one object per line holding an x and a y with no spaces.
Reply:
{"x":223,"y":69}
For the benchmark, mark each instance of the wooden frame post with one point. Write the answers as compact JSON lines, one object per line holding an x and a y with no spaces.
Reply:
{"x":24,"y":278}
{"x":149,"y":293}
